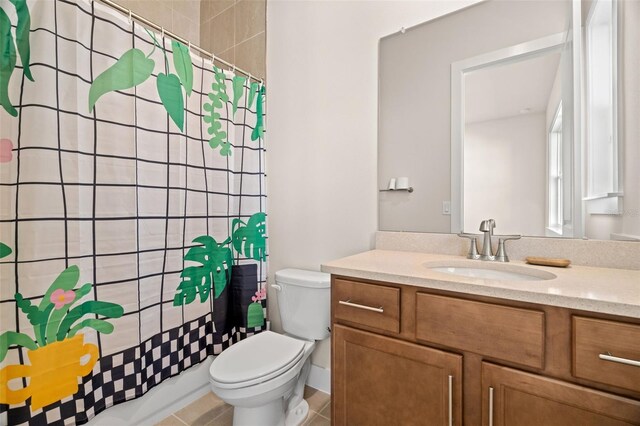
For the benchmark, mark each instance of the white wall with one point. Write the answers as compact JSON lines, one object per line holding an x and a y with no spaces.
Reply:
{"x":322,"y":68}
{"x":505,"y":174}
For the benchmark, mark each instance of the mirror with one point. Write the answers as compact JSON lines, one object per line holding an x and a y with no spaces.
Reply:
{"x":485,"y":113}
{"x":511,"y":111}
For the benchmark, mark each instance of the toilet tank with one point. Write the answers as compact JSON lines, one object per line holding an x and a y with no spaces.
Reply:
{"x":304,"y":300}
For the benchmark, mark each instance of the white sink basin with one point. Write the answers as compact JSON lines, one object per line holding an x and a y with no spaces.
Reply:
{"x":495,"y":272}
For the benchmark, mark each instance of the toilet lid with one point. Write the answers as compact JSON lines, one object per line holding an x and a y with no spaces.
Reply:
{"x":256,"y":359}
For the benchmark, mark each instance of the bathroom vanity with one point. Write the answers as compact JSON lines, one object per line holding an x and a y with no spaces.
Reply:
{"x":411,"y":345}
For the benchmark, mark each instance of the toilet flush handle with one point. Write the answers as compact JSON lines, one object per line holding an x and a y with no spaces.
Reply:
{"x":276,"y":286}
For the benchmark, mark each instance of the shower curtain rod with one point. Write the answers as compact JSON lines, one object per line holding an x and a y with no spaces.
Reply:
{"x":147,"y":22}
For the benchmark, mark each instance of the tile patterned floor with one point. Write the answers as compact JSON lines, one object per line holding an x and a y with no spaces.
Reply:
{"x":212,"y":411}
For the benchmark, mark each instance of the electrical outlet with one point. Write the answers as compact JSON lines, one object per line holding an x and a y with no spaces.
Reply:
{"x":446,"y":208}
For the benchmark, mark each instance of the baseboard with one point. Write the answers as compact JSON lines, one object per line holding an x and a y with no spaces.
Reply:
{"x":320,"y":378}
{"x":161,"y":401}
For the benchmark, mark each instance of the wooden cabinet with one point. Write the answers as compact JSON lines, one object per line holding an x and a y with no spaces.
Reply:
{"x":383,"y":381}
{"x":405,"y":355}
{"x":502,"y":332}
{"x":607,"y":352}
{"x":515,"y":398}
{"x":370,"y":305}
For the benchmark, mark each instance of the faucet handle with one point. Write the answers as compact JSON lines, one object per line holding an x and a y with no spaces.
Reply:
{"x":501,"y":255}
{"x":473,"y":246}
{"x":487,"y":225}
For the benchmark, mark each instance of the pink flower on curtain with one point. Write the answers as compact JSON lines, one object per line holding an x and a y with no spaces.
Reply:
{"x":260,"y":295}
{"x":60,"y":297}
{"x":6,"y":148}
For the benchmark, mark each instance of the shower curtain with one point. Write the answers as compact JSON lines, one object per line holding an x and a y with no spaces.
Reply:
{"x":132,"y":185}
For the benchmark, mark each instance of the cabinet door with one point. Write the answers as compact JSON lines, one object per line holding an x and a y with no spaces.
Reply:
{"x":379,"y":380}
{"x":512,"y":397}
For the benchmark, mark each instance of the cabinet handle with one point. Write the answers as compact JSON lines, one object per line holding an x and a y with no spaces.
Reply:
{"x":450,"y":400}
{"x":490,"y":406}
{"x":609,"y":357}
{"x":359,"y":306}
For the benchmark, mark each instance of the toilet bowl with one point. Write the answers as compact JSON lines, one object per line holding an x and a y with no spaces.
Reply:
{"x":258,"y":376}
{"x":263,"y":376}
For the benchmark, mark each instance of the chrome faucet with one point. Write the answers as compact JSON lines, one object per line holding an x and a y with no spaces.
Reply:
{"x":486,"y":227}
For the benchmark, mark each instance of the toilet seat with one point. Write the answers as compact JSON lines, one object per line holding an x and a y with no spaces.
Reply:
{"x":255,"y":360}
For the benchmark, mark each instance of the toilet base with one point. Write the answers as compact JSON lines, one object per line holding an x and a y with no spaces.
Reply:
{"x":271,"y":413}
{"x":297,"y":415}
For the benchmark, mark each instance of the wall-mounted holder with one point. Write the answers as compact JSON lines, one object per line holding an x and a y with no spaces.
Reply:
{"x":409,"y":189}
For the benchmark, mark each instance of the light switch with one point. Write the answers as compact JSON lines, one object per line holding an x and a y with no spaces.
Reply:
{"x":446,"y":208}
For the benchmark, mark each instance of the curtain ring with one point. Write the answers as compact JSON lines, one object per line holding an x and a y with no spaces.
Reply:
{"x":189,"y":46}
{"x":130,"y":16}
{"x":162,"y":34}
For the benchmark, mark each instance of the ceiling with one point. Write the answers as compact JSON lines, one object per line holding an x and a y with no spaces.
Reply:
{"x":510,"y":89}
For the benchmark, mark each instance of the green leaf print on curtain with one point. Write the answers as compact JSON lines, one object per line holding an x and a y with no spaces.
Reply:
{"x":216,"y":261}
{"x":253,"y":90}
{"x":249,"y":239}
{"x":131,"y":69}
{"x":8,"y":56}
{"x":134,"y":68}
{"x":182,"y":64}
{"x":258,"y":131}
{"x":7,"y":62}
{"x":238,"y":91}
{"x":5,"y":250}
{"x":22,"y":35}
{"x":170,"y":92}
{"x":51,"y":319}
{"x":218,"y":96}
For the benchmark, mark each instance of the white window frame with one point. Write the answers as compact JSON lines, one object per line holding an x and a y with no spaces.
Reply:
{"x":609,"y":201}
{"x":555,"y":213}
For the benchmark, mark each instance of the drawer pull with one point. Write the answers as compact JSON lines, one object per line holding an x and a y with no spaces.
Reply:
{"x":450,"y":400}
{"x":359,"y":306}
{"x":609,"y":357}
{"x":490,"y":406}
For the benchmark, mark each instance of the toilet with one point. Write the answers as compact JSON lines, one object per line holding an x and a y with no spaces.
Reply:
{"x":263,"y":376}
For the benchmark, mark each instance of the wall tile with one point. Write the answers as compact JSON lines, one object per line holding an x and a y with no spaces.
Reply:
{"x":189,"y":8}
{"x":157,"y":11}
{"x":250,"y":55}
{"x":234,"y":30}
{"x":186,"y":28}
{"x":181,"y":17}
{"x":219,"y":6}
{"x":228,"y":55}
{"x":205,"y":10}
{"x":250,"y":19}
{"x":205,"y":35}
{"x":222,"y":31}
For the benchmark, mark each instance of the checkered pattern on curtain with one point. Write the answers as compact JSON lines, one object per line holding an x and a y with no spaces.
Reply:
{"x":121,"y":193}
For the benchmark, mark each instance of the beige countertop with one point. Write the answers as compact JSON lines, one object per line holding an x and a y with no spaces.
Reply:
{"x":605,"y":290}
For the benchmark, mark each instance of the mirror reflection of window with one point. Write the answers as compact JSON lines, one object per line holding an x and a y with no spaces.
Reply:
{"x":602,"y":149}
{"x":554,"y":221}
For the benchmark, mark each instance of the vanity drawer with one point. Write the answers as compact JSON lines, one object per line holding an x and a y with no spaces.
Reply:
{"x":501,"y":332}
{"x":374,"y":306}
{"x":595,"y":339}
